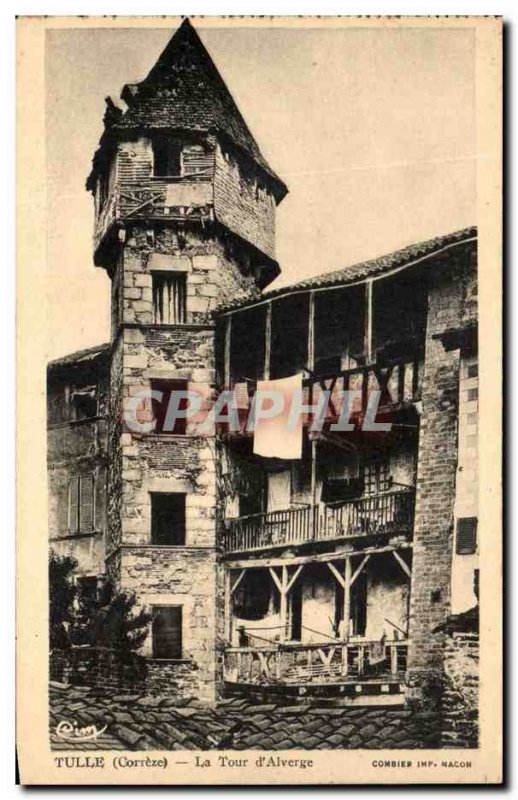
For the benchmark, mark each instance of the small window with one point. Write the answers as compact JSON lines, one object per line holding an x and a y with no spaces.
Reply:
{"x":81,"y":504}
{"x":167,"y":518}
{"x":166,"y":632}
{"x":169,"y":298}
{"x":466,"y":536}
{"x":166,"y":157}
{"x":83,"y":403}
{"x":178,"y":426}
{"x":376,"y":476}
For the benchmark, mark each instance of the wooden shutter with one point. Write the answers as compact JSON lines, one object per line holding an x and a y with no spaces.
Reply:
{"x":86,"y":507}
{"x":73,"y":504}
{"x":466,"y":535}
{"x":175,"y":303}
{"x":196,"y":161}
{"x":169,"y":298}
{"x":167,"y":632}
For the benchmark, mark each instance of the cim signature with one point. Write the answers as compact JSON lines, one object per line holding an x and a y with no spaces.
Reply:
{"x":71,"y":732}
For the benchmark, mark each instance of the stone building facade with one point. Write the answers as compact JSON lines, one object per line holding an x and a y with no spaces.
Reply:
{"x":328,"y":573}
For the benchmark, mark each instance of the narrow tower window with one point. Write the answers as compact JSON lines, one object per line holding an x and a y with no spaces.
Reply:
{"x":169,"y":298}
{"x":166,"y":632}
{"x":167,"y":518}
{"x":174,"y":425}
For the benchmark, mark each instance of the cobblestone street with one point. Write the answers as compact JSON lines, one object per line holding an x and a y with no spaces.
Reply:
{"x":154,"y":723}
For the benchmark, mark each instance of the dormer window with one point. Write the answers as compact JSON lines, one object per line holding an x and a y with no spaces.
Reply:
{"x":175,"y":159}
{"x":167,"y":157}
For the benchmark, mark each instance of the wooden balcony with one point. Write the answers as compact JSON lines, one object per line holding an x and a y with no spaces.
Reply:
{"x":179,"y":198}
{"x":390,"y":512}
{"x":294,"y":664}
{"x":398,"y":381}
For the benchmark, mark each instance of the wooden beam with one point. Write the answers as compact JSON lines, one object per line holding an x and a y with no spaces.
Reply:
{"x":275,"y":579}
{"x":226,"y":368}
{"x":278,"y":561}
{"x":294,"y":577}
{"x":337,"y":575}
{"x":359,"y":569}
{"x":402,"y":563}
{"x":238,"y":581}
{"x":350,"y":284}
{"x":267,"y":341}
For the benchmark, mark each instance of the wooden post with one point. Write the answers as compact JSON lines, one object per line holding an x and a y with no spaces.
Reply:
{"x":361,"y":660}
{"x":347,"y":599}
{"x":314,"y":511}
{"x":393,"y":659}
{"x":311,"y":332}
{"x":228,"y":608}
{"x":368,"y":322}
{"x":267,"y":341}
{"x":345,"y":660}
{"x":284,"y":604}
{"x":226,"y":368}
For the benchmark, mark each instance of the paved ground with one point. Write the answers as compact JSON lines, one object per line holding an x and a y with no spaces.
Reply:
{"x":151,"y":723}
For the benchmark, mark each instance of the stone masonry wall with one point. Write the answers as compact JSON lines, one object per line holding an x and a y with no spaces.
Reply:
{"x":77,"y":447}
{"x":460,"y":693}
{"x":145,"y":463}
{"x":435,"y":495}
{"x":114,"y":482}
{"x":214,"y":277}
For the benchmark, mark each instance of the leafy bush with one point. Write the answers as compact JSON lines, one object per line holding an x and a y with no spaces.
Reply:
{"x":76,"y":618}
{"x":117,"y":624}
{"x":62,"y":594}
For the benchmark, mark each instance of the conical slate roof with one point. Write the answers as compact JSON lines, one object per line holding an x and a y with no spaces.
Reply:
{"x":184,"y":91}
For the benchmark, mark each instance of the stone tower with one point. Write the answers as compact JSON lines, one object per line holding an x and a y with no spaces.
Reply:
{"x":184,"y":222}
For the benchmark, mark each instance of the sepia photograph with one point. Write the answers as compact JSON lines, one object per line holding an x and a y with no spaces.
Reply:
{"x":263,"y":260}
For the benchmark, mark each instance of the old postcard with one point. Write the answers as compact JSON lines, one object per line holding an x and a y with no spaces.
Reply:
{"x":259,"y":391}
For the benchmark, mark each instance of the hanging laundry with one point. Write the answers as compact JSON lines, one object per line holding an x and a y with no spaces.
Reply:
{"x":273,"y":436}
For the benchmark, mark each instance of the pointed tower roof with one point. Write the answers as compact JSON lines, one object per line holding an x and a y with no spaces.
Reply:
{"x":184,"y":91}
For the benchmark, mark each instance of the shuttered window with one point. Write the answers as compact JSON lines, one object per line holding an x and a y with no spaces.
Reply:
{"x":466,"y":536}
{"x":169,"y":298}
{"x":81,"y":504}
{"x":167,"y":632}
{"x":196,"y":160}
{"x":73,"y":505}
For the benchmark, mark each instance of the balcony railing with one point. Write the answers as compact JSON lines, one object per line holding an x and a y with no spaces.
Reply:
{"x":387,"y":512}
{"x":183,"y":198}
{"x":294,"y":663}
{"x":398,"y":381}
